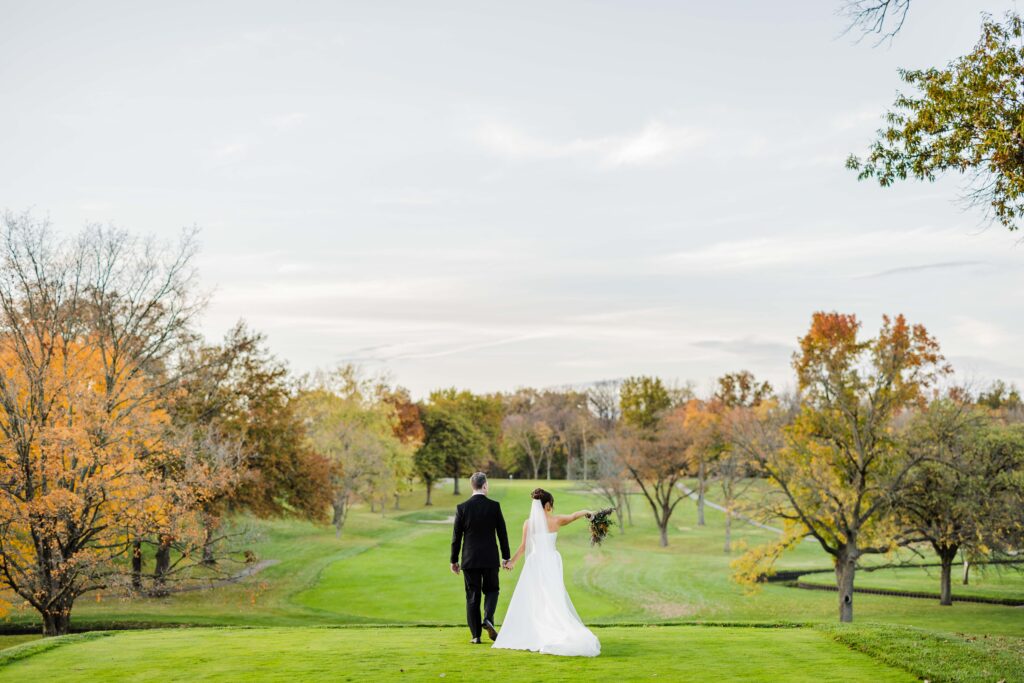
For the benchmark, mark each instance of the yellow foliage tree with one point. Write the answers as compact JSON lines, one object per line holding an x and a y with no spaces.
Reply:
{"x":835,"y":457}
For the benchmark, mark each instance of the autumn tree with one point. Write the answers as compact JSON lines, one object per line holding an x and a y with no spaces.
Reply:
{"x":707,"y":443}
{"x":737,"y":392}
{"x":840,"y":466}
{"x":657,"y":459}
{"x":966,"y":119}
{"x":967,"y":493}
{"x":86,"y":328}
{"x":532,"y":437}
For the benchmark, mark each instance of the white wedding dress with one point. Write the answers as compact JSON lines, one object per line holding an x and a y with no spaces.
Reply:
{"x":541,"y":616}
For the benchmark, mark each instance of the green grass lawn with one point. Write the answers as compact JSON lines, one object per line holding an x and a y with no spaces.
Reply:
{"x":356,"y":654}
{"x":392,"y":568}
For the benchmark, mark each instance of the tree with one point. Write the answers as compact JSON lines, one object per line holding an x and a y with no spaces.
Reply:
{"x":246,"y":393}
{"x":450,"y":439}
{"x":485,"y":413}
{"x":351,"y":423}
{"x":603,"y":400}
{"x":737,"y":392}
{"x":707,"y":444}
{"x":839,"y":465}
{"x":532,"y":437}
{"x":967,"y":492}
{"x":883,"y":18}
{"x":741,"y":390}
{"x":657,"y":460}
{"x":642,"y":400}
{"x":429,"y":466}
{"x":86,"y":327}
{"x":612,"y":479}
{"x":565,"y":412}
{"x":1002,"y":399}
{"x":967,"y":118}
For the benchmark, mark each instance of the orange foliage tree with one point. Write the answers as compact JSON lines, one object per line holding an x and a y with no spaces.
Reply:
{"x":85,"y":328}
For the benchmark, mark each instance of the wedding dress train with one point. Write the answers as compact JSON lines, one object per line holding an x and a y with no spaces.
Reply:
{"x":541,"y":617}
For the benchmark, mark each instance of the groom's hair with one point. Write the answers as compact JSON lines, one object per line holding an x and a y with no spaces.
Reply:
{"x":478,"y":480}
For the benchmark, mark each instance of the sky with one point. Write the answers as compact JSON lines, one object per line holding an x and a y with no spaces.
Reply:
{"x":492,"y":195}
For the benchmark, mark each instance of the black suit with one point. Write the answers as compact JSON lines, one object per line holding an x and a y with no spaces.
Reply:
{"x":477,"y":521}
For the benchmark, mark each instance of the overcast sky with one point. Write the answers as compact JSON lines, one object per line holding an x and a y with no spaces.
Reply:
{"x":491,"y":195}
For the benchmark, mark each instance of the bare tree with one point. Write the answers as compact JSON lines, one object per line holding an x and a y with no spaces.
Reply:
{"x":883,"y":18}
{"x":603,"y":399}
{"x":611,"y":478}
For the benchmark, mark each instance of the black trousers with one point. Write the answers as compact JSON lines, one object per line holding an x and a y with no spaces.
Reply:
{"x":480,"y":581}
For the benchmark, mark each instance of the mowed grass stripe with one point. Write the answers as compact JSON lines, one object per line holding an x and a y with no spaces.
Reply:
{"x":314,"y":654}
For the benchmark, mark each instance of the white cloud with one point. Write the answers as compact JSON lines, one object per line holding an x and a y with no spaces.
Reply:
{"x":860,"y":118}
{"x":803,"y":250}
{"x":979,"y":332}
{"x":229,"y":152}
{"x":657,"y":142}
{"x":369,"y":289}
{"x":288,"y":121}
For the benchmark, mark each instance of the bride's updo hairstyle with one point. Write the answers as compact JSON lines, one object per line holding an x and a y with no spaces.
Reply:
{"x":544,"y":497}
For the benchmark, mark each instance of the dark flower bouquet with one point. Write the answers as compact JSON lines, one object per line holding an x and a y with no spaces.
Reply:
{"x":599,"y":524}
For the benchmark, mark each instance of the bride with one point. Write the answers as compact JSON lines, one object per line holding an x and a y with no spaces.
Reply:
{"x":541,"y":616}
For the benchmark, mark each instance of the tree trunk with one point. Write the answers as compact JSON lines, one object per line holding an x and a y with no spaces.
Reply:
{"x":208,"y":531}
{"x":946,"y":557}
{"x":536,"y":469}
{"x":397,"y":500}
{"x":430,"y":487}
{"x":549,"y":466}
{"x":57,"y":622}
{"x":845,"y":569}
{"x":664,"y":534}
{"x":137,"y":565}
{"x":728,"y":529}
{"x":629,"y":509}
{"x":700,"y":493}
{"x":967,"y":571}
{"x":340,"y":506}
{"x":456,"y":478}
{"x":163,"y":565}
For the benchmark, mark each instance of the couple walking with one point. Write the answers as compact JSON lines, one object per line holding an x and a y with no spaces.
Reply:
{"x":540,"y":617}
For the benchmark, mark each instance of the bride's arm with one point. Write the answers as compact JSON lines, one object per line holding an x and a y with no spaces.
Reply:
{"x":522,"y":546}
{"x":569,"y":519}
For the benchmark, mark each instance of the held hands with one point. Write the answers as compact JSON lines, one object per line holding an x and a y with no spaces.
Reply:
{"x":508,"y":564}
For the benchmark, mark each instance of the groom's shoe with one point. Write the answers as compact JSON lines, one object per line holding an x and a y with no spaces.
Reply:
{"x":491,"y":631}
{"x":475,"y":641}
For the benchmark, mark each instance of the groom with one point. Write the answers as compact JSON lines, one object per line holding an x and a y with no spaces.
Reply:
{"x":477,"y":520}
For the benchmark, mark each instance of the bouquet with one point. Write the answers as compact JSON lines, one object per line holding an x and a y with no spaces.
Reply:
{"x":599,"y":523}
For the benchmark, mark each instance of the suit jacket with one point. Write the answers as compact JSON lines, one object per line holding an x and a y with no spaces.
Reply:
{"x":477,"y":520}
